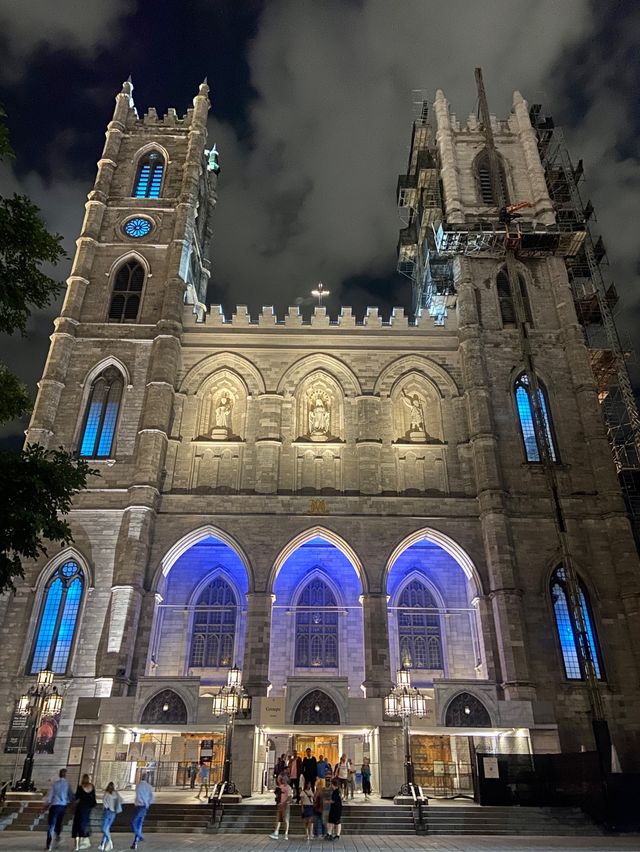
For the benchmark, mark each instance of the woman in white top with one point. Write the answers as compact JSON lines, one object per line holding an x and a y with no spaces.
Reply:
{"x":112,"y":804}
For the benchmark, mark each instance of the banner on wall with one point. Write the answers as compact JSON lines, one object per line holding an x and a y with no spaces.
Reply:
{"x":47,"y":733}
{"x":18,"y":732}
{"x":108,"y":752}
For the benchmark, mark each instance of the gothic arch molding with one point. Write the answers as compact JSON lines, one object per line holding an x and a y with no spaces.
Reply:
{"x":329,"y":364}
{"x":246,"y":371}
{"x":150,"y":146}
{"x":109,"y":361}
{"x":466,"y":710}
{"x":124,"y":258}
{"x":328,"y":536}
{"x":448,"y":544}
{"x":188,"y":540}
{"x":431,"y":372}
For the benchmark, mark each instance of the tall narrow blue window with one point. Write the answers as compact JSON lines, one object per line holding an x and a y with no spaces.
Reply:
{"x":419,"y":633}
{"x":149,"y":176}
{"x":525,"y":416}
{"x":568,"y":635}
{"x":214,"y":627}
{"x":317,"y":627}
{"x":101,"y":417}
{"x":58,"y":619}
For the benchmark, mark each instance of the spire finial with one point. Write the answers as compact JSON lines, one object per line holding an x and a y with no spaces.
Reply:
{"x":204,"y":88}
{"x":319,"y":292}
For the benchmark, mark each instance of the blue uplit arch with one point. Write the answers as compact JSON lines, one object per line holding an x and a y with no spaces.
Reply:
{"x":567,"y":631}
{"x":58,"y":619}
{"x":522,"y":390}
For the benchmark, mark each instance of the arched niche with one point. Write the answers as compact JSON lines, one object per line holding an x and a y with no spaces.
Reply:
{"x":165,"y":708}
{"x":222,"y":407}
{"x":319,"y":409}
{"x":415,"y":410}
{"x":316,"y":708}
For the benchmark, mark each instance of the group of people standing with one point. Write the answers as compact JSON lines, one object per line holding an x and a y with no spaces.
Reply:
{"x":61,"y":795}
{"x":319,"y":789}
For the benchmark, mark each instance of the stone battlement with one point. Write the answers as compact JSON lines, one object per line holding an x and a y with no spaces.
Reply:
{"x":319,"y":319}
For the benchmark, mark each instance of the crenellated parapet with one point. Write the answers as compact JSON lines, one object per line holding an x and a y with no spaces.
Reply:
{"x":319,"y":319}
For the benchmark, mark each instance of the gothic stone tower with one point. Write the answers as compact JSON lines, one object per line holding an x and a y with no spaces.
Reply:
{"x":320,"y":502}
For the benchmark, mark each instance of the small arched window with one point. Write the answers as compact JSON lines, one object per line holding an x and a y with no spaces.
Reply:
{"x":522,"y":391}
{"x":484,"y":182}
{"x":127,"y":287}
{"x":101,"y":419}
{"x":57,"y":624}
{"x":149,"y":176}
{"x":419,"y":630}
{"x":316,"y":627}
{"x":507,"y":309}
{"x":566,"y":628}
{"x":214,"y":627}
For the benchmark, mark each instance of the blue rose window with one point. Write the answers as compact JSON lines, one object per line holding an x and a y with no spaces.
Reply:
{"x":137,"y":227}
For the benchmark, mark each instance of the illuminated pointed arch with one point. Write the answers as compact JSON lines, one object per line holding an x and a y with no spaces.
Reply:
{"x":327,"y":535}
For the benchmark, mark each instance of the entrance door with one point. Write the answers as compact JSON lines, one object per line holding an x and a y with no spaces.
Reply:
{"x":325,"y":744}
{"x":442,"y":765}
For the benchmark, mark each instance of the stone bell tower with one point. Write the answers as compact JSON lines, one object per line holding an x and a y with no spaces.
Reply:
{"x":141,"y":255}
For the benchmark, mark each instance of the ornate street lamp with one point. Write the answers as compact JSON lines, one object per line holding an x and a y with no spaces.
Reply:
{"x":40,"y":700}
{"x":403,"y":702}
{"x":229,"y":701}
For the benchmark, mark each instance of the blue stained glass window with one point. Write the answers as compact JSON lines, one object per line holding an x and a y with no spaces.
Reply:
{"x":525,"y":416}
{"x":419,"y":633}
{"x":567,"y":631}
{"x":214,"y":626}
{"x":58,"y":619}
{"x":149,"y":178}
{"x":137,"y":227}
{"x":102,"y":415}
{"x":316,"y":642}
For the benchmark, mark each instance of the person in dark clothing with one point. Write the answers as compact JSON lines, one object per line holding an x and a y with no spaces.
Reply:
{"x":86,"y":799}
{"x":310,"y":768}
{"x":279,"y":768}
{"x":334,"y":823}
{"x":294,"y":770}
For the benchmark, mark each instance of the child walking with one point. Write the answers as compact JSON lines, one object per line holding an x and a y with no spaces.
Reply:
{"x":306,"y":801}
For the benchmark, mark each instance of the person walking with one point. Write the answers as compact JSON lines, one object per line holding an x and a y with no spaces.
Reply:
{"x":324,"y":768}
{"x":294,"y":770}
{"x":306,"y":802}
{"x":351,"y":780}
{"x":284,"y":797}
{"x":365,"y":771}
{"x":203,"y":774}
{"x":279,"y":768}
{"x":341,"y":772}
{"x":111,"y":807}
{"x":193,"y":774}
{"x":58,"y":797}
{"x":309,"y":768}
{"x":86,"y":799}
{"x":318,"y":809}
{"x":334,"y":823}
{"x":143,"y":800}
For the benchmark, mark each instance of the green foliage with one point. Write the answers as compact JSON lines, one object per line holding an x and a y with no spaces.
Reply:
{"x":36,"y":490}
{"x":37,"y":486}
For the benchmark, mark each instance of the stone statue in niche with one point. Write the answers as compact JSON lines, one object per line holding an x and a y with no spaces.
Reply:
{"x":224,"y":406}
{"x":319,"y":418}
{"x":417,"y":431}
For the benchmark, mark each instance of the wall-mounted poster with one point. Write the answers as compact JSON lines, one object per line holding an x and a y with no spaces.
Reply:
{"x":18,"y":732}
{"x":75,"y":755}
{"x":47,"y":732}
{"x":108,"y":752}
{"x":135,"y":752}
{"x":490,"y":767}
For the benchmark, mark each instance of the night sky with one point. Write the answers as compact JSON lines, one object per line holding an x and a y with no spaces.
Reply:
{"x":312,"y":111}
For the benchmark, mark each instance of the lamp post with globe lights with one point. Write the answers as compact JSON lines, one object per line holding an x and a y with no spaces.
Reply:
{"x":40,"y":700}
{"x":403,"y":702}
{"x":229,"y":701}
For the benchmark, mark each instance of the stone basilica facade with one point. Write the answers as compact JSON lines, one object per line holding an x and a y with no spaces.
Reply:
{"x":316,"y":502}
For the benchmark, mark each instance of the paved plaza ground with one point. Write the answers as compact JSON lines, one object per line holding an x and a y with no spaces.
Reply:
{"x":23,"y":841}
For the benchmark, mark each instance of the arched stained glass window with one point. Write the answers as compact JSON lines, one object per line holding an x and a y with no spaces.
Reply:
{"x":567,"y":630}
{"x":58,"y":619}
{"x":127,"y":287}
{"x":149,"y":176}
{"x":419,"y":631}
{"x":214,"y":626}
{"x":317,"y":627}
{"x":101,"y":417}
{"x":507,"y":309}
{"x":525,"y":416}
